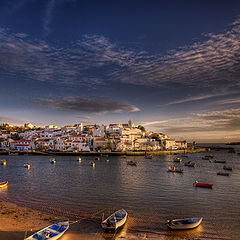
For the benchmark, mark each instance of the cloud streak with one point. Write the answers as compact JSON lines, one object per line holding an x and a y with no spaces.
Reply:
{"x":94,"y":60}
{"x":87,"y":105}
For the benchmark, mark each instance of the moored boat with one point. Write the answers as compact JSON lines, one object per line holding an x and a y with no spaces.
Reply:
{"x":3,"y":162}
{"x":222,"y":173}
{"x":92,"y":164}
{"x":148,"y":156}
{"x":132,"y":163}
{"x":184,"y":224}
{"x":79,"y":159}
{"x":3,"y":184}
{"x":203,"y":185}
{"x":174,"y":170}
{"x":177,"y":159}
{"x":52,"y":232}
{"x":52,"y":160}
{"x":218,"y":161}
{"x":115,"y":221}
{"x":227,"y":168}
{"x":190,"y":164}
{"x":26,"y":165}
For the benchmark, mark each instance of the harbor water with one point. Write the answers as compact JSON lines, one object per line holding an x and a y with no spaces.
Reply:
{"x":149,"y":193}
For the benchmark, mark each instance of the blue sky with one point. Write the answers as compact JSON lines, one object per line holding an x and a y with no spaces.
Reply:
{"x":172,"y":66}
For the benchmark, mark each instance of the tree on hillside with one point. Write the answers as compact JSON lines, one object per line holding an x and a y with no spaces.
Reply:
{"x":141,"y":128}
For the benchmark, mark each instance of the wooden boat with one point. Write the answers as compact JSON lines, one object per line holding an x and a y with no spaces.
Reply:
{"x":52,"y":232}
{"x":203,"y":185}
{"x":26,"y":165}
{"x":132,"y":163}
{"x":190,"y":164}
{"x":184,"y":224}
{"x":3,"y":162}
{"x":222,"y":173}
{"x":177,"y":159}
{"x":227,"y":168}
{"x":218,"y":161}
{"x":175,"y":170}
{"x":3,"y":184}
{"x":52,"y":161}
{"x":115,"y":221}
{"x":92,"y":164}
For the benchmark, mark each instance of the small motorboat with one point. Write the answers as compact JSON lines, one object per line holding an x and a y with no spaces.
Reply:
{"x":190,"y":164}
{"x":3,"y":162}
{"x":184,"y":224}
{"x":52,"y":232}
{"x":115,"y":221}
{"x":79,"y":159}
{"x":223,"y":174}
{"x":97,"y":158}
{"x":92,"y":164}
{"x":148,"y":156}
{"x":227,"y":168}
{"x":177,"y":159}
{"x":218,"y":161}
{"x":132,"y":163}
{"x":107,"y":160}
{"x":203,"y":185}
{"x":174,"y":170}
{"x":3,"y":184}
{"x":26,"y":165}
{"x":52,"y":161}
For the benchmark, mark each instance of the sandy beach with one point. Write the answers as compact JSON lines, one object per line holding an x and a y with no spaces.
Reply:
{"x":18,"y":222}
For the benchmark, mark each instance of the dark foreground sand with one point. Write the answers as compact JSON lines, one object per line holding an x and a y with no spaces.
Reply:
{"x":16,"y":223}
{"x":19,"y":222}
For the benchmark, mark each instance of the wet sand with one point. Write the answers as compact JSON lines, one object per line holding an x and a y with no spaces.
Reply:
{"x":17,"y":222}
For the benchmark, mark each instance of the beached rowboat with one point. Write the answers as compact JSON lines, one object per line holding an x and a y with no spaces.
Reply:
{"x":3,"y":184}
{"x":183,"y":224}
{"x":115,"y":221}
{"x":52,"y":232}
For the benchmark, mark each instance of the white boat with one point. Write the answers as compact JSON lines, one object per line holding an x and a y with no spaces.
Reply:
{"x":52,"y":161}
{"x":52,"y":232}
{"x":185,"y":223}
{"x":92,"y":164}
{"x":3,"y":162}
{"x":115,"y":221}
{"x":26,"y":165}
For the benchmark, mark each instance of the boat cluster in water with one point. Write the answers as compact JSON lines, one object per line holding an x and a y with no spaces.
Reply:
{"x":117,"y":219}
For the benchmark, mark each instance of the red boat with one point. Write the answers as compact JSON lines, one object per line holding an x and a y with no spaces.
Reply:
{"x":203,"y":185}
{"x":3,"y":184}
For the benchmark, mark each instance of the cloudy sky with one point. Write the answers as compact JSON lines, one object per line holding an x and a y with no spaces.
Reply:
{"x":172,"y":66}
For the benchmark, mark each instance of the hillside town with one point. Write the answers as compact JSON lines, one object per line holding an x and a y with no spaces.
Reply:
{"x":85,"y":138}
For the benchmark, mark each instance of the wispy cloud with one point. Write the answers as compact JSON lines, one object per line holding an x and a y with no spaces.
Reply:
{"x":95,"y":60}
{"x":154,"y":122}
{"x":11,"y":120}
{"x":89,"y":105}
{"x":204,"y":126}
{"x":48,"y":16}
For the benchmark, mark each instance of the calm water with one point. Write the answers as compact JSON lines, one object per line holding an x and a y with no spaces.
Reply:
{"x":148,"y":192}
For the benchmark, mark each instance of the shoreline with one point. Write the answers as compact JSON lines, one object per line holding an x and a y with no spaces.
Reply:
{"x":140,"y":153}
{"x":17,"y":223}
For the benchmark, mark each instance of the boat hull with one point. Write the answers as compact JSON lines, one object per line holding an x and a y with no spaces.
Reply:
{"x":54,"y":233}
{"x":3,"y":184}
{"x":203,"y":185}
{"x":112,"y":223}
{"x":184,"y":224}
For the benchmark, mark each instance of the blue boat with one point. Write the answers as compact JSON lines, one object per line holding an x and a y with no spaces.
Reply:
{"x":52,"y":232}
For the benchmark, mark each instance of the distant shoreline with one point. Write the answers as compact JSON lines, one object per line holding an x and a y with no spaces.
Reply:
{"x":130,"y":153}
